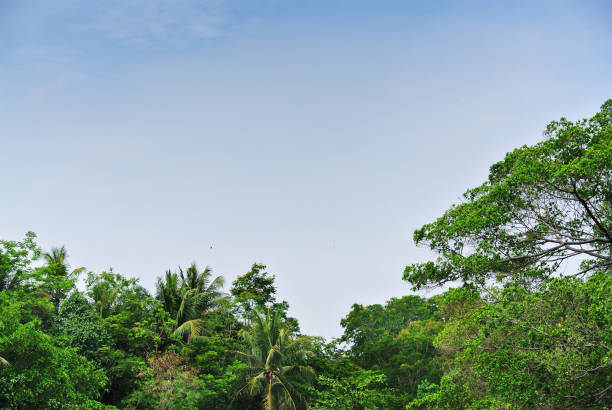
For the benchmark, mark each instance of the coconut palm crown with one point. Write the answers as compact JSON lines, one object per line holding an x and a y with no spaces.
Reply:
{"x":276,"y":362}
{"x":188,"y":296}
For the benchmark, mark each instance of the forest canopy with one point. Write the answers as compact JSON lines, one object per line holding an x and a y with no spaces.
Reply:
{"x":528,"y":323}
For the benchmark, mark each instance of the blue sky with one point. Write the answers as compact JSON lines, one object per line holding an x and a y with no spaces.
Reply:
{"x":312,"y":136}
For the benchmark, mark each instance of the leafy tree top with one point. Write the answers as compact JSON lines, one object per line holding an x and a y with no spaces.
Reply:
{"x":15,"y":261}
{"x":543,"y":204}
{"x":254,"y":288}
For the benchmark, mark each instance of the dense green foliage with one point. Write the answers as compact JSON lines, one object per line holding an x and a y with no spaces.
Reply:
{"x":397,"y":340}
{"x":528,"y":330}
{"x":277,"y":361}
{"x":529,"y":327}
{"x":40,"y":370}
{"x":541,"y":206}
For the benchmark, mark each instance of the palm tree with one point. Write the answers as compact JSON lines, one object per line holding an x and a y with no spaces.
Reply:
{"x":197,"y":294}
{"x":275,"y":362}
{"x":193,"y":279}
{"x":168,"y":292}
{"x":104,"y":289}
{"x":57,"y":258}
{"x":59,"y":279}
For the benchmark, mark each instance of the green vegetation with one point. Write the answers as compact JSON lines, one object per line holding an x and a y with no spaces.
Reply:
{"x":276,"y":362}
{"x":528,"y":324}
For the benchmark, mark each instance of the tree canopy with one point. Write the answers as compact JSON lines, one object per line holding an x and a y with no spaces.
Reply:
{"x":541,"y":205}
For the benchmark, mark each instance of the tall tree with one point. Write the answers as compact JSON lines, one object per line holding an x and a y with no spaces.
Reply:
{"x":542,"y":205}
{"x":276,"y":362}
{"x":57,"y":278}
{"x":254,"y":288}
{"x":188,"y":296}
{"x":168,"y":292}
{"x":192,"y":278}
{"x":57,"y":258}
{"x":16,"y":258}
{"x":208,"y":289}
{"x":538,"y":339}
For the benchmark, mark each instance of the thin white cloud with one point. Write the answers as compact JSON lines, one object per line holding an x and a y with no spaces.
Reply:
{"x":138,"y":21}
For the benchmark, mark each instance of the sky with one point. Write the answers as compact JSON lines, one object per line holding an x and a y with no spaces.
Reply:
{"x":311,"y":136}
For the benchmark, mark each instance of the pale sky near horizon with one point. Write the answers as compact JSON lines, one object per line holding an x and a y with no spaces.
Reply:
{"x":312,"y":136}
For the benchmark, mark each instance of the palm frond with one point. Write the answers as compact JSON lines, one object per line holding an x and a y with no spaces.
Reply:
{"x":287,"y":392}
{"x":256,"y":383}
{"x":188,"y":308}
{"x":190,"y":329}
{"x":305,"y":372}
{"x":216,"y":284}
{"x":56,"y":256}
{"x":274,"y":356}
